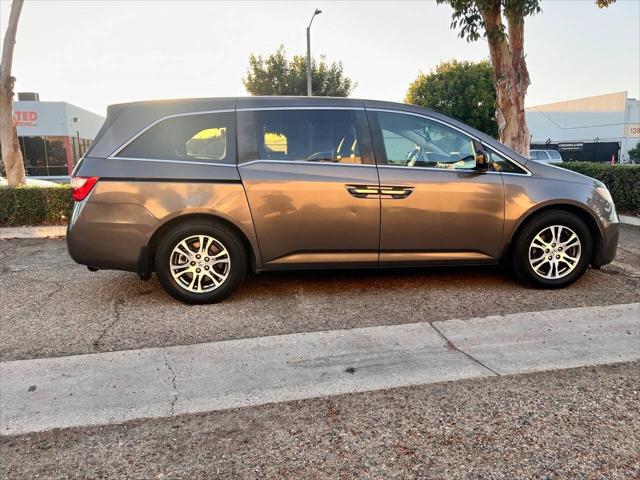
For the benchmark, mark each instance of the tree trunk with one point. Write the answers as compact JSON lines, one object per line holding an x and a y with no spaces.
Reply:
{"x":510,"y":77}
{"x":11,"y":154}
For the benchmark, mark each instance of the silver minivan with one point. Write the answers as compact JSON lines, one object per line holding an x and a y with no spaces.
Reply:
{"x":545,"y":156}
{"x":200,"y":191}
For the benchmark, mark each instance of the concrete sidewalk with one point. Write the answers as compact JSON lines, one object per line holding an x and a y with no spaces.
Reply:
{"x":114,"y":387}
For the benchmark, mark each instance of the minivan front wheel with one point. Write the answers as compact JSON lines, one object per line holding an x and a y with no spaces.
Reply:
{"x":553,"y":250}
{"x":199,"y":262}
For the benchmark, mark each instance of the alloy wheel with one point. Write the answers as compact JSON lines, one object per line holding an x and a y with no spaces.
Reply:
{"x":555,"y":252}
{"x":200,"y":263}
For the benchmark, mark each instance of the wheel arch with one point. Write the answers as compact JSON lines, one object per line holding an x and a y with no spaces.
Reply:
{"x":157,"y":235}
{"x":579,"y":211}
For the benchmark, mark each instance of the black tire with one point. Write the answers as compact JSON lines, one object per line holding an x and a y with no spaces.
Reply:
{"x":520,"y":253}
{"x":225,"y":237}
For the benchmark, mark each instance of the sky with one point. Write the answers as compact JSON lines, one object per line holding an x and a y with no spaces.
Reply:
{"x":95,"y":53}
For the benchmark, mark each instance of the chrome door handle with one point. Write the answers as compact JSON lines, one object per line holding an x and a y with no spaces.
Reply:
{"x":362,"y":191}
{"x":396,"y":192}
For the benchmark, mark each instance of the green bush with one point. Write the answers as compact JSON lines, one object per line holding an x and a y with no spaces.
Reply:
{"x":34,"y":205}
{"x":623,"y":181}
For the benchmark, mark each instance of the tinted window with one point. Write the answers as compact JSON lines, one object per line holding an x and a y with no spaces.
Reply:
{"x":56,"y":156}
{"x":303,"y":135}
{"x":412,"y":141}
{"x":555,"y":155}
{"x":206,"y":137}
{"x":35,"y":156}
{"x":533,"y":155}
{"x":501,"y":164}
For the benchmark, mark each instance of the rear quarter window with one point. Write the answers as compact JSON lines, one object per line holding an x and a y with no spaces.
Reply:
{"x":199,"y":137}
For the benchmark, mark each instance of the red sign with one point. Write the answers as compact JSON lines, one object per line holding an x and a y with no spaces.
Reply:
{"x":25,"y":118}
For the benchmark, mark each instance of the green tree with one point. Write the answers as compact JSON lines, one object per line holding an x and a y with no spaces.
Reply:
{"x":463,"y":90}
{"x":634,"y":153}
{"x":501,"y":22}
{"x":276,"y":75}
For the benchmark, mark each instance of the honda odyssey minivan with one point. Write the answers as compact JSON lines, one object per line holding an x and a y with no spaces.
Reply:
{"x":201,"y":190}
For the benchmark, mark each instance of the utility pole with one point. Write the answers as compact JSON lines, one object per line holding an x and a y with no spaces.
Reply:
{"x":309,"y":90}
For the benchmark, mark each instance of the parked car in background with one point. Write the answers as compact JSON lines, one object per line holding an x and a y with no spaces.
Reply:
{"x":31,"y":182}
{"x":202,"y":190}
{"x":545,"y":156}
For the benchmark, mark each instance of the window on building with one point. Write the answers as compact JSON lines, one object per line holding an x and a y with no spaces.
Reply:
{"x":56,"y":156}
{"x":35,"y":157}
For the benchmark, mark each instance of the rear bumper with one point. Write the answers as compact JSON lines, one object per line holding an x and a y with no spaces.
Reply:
{"x":109,"y":235}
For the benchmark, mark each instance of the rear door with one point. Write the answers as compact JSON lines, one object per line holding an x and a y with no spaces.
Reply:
{"x":435,"y":208}
{"x":311,"y":182}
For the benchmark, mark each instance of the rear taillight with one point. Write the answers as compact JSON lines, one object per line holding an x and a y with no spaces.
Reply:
{"x":81,"y":186}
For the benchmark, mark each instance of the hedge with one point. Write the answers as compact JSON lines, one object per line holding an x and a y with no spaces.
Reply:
{"x":52,"y":205}
{"x":623,"y":181}
{"x":35,"y":205}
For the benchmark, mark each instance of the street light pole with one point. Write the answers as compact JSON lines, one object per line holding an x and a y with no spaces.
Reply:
{"x":309,"y":91}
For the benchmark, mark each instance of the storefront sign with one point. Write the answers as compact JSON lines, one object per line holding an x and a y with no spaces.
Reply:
{"x":26,"y":118}
{"x":571,"y":147}
{"x":632,"y":130}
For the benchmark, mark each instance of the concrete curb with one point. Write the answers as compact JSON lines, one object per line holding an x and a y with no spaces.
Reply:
{"x":630,"y":220}
{"x":33,"y":232}
{"x":114,"y":387}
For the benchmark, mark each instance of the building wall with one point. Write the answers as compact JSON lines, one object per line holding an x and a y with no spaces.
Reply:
{"x":53,"y":135}
{"x":607,"y":118}
{"x":55,"y":119}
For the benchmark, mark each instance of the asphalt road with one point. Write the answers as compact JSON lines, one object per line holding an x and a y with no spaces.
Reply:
{"x":580,"y":423}
{"x":54,"y":307}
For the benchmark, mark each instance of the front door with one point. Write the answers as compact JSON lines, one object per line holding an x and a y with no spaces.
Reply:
{"x":438,"y":209}
{"x":311,"y":183}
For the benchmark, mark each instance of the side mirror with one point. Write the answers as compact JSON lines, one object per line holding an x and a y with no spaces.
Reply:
{"x":482,"y":160}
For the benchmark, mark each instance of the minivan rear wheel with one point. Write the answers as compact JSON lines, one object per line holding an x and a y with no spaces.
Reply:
{"x":199,"y":262}
{"x":553,"y":250}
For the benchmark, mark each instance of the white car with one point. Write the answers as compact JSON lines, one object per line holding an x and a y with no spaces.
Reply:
{"x":31,"y":182}
{"x":545,"y":156}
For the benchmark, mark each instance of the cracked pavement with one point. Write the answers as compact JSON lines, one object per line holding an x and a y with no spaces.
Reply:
{"x":172,"y":375}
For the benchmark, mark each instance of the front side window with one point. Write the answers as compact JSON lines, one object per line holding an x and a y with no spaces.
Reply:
{"x":328,"y":136}
{"x":198,"y":137}
{"x":412,"y":141}
{"x":498,"y":163}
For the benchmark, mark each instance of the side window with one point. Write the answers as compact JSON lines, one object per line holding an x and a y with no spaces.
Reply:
{"x":533,"y":155}
{"x":501,"y":164}
{"x":205,"y":137}
{"x":303,"y":135}
{"x":413,"y":141}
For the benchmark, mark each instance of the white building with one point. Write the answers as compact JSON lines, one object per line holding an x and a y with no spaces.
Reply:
{"x":53,"y":135}
{"x":604,"y":118}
